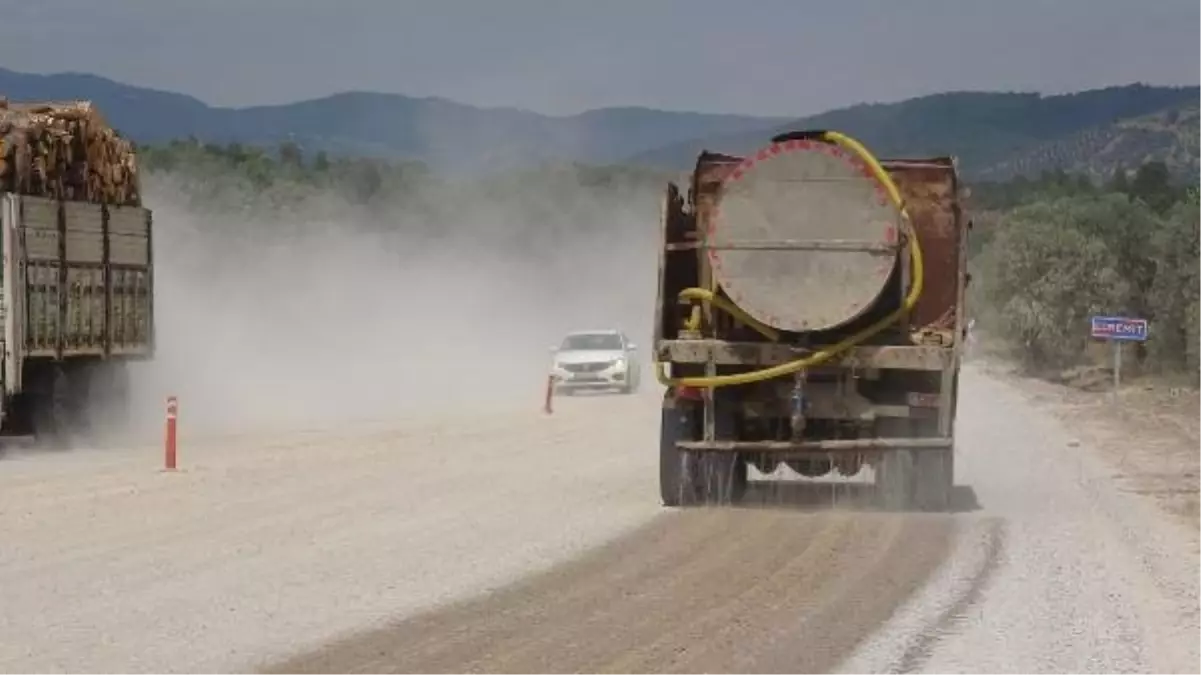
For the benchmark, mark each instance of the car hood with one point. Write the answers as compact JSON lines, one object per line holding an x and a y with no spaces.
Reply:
{"x":589,"y":356}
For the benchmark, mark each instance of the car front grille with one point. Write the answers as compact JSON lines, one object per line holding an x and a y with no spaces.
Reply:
{"x":585,"y":367}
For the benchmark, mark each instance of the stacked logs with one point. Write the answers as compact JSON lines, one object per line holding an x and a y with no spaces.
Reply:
{"x":65,"y":151}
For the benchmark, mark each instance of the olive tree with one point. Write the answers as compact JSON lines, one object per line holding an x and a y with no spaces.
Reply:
{"x":1046,"y":275}
{"x":1174,"y":294}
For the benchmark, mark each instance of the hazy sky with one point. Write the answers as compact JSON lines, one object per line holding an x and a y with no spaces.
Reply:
{"x":778,"y":57}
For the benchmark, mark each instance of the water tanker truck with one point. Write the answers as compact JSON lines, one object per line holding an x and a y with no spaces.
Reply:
{"x":810,"y":312}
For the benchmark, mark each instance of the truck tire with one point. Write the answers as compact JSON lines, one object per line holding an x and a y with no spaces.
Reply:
{"x":895,"y":479}
{"x":18,"y":419}
{"x":723,"y":478}
{"x":677,"y":468}
{"x":50,"y":410}
{"x":689,"y":478}
{"x":723,"y":474}
{"x":103,"y":403}
{"x":934,"y":479}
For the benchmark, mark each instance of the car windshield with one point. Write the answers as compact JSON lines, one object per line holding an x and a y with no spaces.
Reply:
{"x":585,"y":341}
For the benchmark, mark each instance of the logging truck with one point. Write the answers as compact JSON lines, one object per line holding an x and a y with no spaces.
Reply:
{"x":810,"y":315}
{"x":76,"y":307}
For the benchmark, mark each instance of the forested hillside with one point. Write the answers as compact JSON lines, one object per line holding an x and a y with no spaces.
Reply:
{"x":1000,"y":134}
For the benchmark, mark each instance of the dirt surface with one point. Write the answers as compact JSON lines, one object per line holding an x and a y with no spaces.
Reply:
{"x":261,"y":546}
{"x":520,"y":542}
{"x":1149,"y":433}
{"x":1052,"y":569}
{"x":741,"y":590}
{"x":1061,"y":570}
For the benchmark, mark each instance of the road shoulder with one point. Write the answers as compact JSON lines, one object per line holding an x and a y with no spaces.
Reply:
{"x":1149,"y":436}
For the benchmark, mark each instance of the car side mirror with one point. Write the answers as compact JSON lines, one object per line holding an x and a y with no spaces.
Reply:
{"x":633,"y":347}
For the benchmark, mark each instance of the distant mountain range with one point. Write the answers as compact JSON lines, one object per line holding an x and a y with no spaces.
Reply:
{"x":995,"y":135}
{"x":442,"y":133}
{"x":998,"y":134}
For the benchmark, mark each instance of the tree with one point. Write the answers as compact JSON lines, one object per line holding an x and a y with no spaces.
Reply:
{"x":290,"y":155}
{"x":1126,"y":228}
{"x":1152,"y":184}
{"x":1045,"y":278}
{"x":1173,"y":297}
{"x":1120,"y":183}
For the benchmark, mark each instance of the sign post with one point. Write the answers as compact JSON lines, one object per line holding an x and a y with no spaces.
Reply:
{"x":1117,"y":330}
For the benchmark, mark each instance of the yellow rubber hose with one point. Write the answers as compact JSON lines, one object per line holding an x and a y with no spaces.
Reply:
{"x":826,"y":353}
{"x":730,"y":308}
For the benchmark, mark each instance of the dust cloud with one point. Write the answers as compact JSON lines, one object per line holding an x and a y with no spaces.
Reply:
{"x":328,"y":312}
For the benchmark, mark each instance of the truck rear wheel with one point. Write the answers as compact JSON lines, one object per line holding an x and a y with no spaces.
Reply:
{"x":103,"y":398}
{"x":51,"y":414}
{"x":72,"y":400}
{"x":677,"y":468}
{"x":687,"y":477}
{"x":894,"y":479}
{"x":723,"y":474}
{"x":934,"y":479}
{"x":916,"y":479}
{"x":723,"y":478}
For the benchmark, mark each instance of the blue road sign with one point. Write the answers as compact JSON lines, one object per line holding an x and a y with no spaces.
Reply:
{"x":1119,"y":328}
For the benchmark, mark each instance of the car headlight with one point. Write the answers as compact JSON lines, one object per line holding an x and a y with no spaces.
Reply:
{"x":618,"y":364}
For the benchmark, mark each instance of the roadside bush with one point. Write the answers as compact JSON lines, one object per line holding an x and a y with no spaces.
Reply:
{"x":1174,"y":294}
{"x":1045,"y":276}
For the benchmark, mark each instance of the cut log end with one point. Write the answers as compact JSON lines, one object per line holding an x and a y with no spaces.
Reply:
{"x":65,"y":150}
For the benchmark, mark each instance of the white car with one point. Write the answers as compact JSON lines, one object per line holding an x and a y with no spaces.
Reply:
{"x":595,"y":359}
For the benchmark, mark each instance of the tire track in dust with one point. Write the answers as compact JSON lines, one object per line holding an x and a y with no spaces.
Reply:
{"x":919,"y":651}
{"x":909,"y":639}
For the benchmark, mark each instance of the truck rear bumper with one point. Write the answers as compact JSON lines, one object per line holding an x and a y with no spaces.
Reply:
{"x":849,"y":445}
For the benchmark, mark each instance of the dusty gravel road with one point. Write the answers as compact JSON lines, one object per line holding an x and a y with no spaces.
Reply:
{"x":261,"y":547}
{"x":375,"y":550}
{"x":1059,"y":571}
